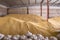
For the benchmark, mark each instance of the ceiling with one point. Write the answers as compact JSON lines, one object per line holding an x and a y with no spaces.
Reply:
{"x":12,"y":3}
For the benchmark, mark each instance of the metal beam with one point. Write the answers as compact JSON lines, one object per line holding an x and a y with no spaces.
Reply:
{"x":55,"y":2}
{"x":22,"y":2}
{"x":4,"y":2}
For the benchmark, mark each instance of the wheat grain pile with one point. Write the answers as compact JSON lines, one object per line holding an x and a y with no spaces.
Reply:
{"x":55,"y":22}
{"x":14,"y":24}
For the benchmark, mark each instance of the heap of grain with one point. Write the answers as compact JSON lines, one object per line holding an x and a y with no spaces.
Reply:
{"x":14,"y":24}
{"x":55,"y":22}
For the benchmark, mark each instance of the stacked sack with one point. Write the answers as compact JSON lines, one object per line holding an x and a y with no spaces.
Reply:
{"x":28,"y":36}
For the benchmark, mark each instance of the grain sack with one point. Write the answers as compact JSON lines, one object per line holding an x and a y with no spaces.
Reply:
{"x":14,"y":24}
{"x":55,"y":22}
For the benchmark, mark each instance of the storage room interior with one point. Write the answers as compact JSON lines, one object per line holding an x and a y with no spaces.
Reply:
{"x":29,"y":19}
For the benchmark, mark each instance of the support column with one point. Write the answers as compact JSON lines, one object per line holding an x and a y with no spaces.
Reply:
{"x":47,"y":10}
{"x":41,"y":9}
{"x":27,"y":10}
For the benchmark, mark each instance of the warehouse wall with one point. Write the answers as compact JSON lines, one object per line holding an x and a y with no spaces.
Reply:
{"x":34,"y":10}
{"x":22,"y":10}
{"x":54,"y":11}
{"x":3,"y":10}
